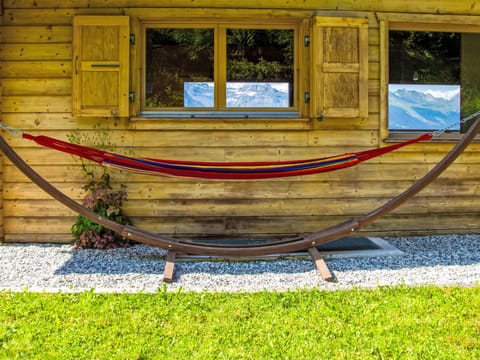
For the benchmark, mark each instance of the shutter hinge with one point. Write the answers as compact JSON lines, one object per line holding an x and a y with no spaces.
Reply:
{"x":131,"y":96}
{"x":306,"y":97}
{"x":322,"y":116}
{"x":306,"y":41}
{"x":132,"y":39}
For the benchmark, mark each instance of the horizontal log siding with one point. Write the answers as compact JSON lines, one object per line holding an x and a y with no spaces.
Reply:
{"x":36,"y":96}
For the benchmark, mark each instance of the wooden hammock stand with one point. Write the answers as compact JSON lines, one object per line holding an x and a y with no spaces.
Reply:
{"x":287,"y":245}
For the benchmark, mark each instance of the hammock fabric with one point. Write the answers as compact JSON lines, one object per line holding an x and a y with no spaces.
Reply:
{"x":218,"y":170}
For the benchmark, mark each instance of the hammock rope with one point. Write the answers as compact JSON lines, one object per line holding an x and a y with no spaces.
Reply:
{"x":250,"y":170}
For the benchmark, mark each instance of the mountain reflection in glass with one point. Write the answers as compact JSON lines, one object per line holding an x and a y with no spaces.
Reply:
{"x":260,"y":65}
{"x":423,"y":107}
{"x":173,"y":57}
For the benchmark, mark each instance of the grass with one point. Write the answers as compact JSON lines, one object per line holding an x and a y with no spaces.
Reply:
{"x":387,"y":323}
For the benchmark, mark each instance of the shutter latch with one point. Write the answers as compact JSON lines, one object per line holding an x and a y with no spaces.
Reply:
{"x":306,"y":41}
{"x":306,"y":97}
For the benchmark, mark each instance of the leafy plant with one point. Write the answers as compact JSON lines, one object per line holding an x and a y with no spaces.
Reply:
{"x":107,"y":203}
{"x":99,"y":197}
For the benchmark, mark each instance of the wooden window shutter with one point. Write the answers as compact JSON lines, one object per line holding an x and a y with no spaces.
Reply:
{"x":340,"y":67}
{"x":101,"y":51}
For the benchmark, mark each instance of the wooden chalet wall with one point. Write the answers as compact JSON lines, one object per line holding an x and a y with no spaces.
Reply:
{"x":36,"y":55}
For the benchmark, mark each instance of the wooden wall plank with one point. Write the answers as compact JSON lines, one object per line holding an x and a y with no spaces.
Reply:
{"x":332,"y":138}
{"x":26,"y":4}
{"x":38,"y":87}
{"x":29,"y":104}
{"x":52,"y":16}
{"x":233,"y":191}
{"x":449,"y":223}
{"x":250,"y":225}
{"x":221,"y":138}
{"x":21,"y":52}
{"x":49,"y":121}
{"x":35,"y":208}
{"x":38,"y":17}
{"x":37,"y":34}
{"x":254,"y":207}
{"x":45,"y":225}
{"x":36,"y":69}
{"x":430,"y":6}
{"x":30,"y":191}
{"x":263,"y":227}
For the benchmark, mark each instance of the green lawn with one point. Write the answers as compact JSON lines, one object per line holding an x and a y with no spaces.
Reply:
{"x":387,"y":323}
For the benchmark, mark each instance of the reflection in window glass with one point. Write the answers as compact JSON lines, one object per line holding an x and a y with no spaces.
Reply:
{"x":423,"y":107}
{"x":433,"y":79}
{"x":260,"y":65}
{"x":175,"y":60}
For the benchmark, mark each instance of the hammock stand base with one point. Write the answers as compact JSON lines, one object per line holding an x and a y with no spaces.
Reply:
{"x":318,"y":261}
{"x":320,"y":264}
{"x":301,"y":243}
{"x":169,"y":266}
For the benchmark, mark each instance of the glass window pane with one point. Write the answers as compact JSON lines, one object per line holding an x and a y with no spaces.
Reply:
{"x":260,"y":68}
{"x":424,"y":57}
{"x":426,"y":80}
{"x":179,"y":68}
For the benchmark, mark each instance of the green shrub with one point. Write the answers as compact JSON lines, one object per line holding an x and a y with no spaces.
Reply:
{"x":99,"y":197}
{"x":107,"y":203}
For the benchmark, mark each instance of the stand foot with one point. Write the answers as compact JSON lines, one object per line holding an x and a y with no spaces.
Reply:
{"x":169,"y":267}
{"x":320,"y":264}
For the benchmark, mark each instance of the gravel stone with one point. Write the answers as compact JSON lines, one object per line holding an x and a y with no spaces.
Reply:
{"x":427,"y":260}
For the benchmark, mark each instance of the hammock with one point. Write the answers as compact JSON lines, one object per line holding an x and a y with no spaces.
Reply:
{"x":218,"y":170}
{"x":275,"y":247}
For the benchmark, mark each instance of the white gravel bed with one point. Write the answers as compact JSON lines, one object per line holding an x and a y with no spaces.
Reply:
{"x":431,"y":260}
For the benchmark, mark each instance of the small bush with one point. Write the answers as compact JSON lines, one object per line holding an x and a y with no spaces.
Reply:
{"x":107,"y":203}
{"x":99,"y":197}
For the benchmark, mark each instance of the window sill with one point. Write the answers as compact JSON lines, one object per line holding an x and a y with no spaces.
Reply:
{"x":165,"y":123}
{"x":445,"y":137}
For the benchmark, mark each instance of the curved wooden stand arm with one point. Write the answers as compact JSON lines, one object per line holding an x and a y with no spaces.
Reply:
{"x":283,"y":246}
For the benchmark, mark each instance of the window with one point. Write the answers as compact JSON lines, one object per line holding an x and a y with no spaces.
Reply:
{"x":156,"y":65}
{"x":220,"y":68}
{"x":433,"y":79}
